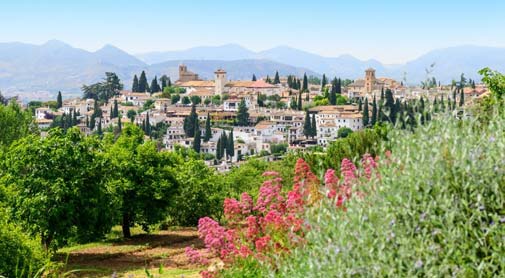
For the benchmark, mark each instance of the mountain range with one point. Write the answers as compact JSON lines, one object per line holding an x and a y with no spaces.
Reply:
{"x":55,"y":65}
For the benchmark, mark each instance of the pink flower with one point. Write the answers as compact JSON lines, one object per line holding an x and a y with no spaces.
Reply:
{"x":368,"y":164}
{"x":246,"y":203}
{"x":262,"y":243}
{"x":252,"y":226}
{"x":270,"y":173}
{"x":195,"y":257}
{"x":348,"y":170}
{"x":232,"y":208}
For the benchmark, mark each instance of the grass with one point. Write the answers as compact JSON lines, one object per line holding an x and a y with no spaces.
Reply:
{"x":131,"y":257}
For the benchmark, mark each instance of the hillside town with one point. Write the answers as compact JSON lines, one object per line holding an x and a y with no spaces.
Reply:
{"x":240,"y":118}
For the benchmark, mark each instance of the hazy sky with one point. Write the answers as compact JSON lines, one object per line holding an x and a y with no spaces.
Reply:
{"x":390,"y":31}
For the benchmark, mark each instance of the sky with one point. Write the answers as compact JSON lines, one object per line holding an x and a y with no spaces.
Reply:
{"x":389,"y":31}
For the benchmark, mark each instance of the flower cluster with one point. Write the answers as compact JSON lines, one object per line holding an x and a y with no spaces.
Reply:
{"x":275,"y":223}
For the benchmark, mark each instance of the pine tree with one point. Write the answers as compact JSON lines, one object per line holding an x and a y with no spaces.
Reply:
{"x":313,"y":127}
{"x":135,"y":85}
{"x":276,"y":78}
{"x":230,"y":148}
{"x":197,"y":142}
{"x":374,"y":112}
{"x":116,"y":109}
{"x":299,"y":100}
{"x":366,"y":115}
{"x":59,"y":100}
{"x":254,"y":77}
{"x":323,"y":82}
{"x":307,"y":127}
{"x":208,"y":129}
{"x":305,"y":86}
{"x":462,"y":97}
{"x":242,"y":114}
{"x":143,"y":86}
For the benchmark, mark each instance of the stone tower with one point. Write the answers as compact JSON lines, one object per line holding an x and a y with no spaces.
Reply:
{"x":220,"y":81}
{"x":369,"y":80}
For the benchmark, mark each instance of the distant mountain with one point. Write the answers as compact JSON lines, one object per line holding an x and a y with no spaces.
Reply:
{"x":236,"y":70}
{"x":227,"y":52}
{"x":449,"y":62}
{"x":56,"y":65}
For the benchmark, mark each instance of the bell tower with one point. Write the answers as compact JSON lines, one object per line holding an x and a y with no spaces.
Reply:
{"x":220,"y":81}
{"x":369,"y":80}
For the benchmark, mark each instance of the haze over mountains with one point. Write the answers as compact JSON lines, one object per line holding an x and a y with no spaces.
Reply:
{"x":56,"y":65}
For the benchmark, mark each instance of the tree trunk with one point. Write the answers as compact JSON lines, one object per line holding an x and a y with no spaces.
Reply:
{"x":126,"y":225}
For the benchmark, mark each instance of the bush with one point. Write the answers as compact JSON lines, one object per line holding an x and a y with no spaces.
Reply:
{"x":437,"y":211}
{"x":20,"y":256}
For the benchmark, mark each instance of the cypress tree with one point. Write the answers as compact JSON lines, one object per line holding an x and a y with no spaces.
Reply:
{"x":99,"y":129}
{"x":119,"y":124}
{"x":374,"y":112}
{"x":242,"y":114}
{"x":135,"y":85}
{"x":307,"y":127}
{"x":197,"y":142}
{"x":219,"y":155}
{"x":366,"y":115}
{"x":59,"y":100}
{"x":155,"y":87}
{"x":116,"y":109}
{"x":267,"y":80}
{"x":169,"y":82}
{"x":87,"y":121}
{"x":148,"y":125}
{"x":299,"y":100}
{"x":323,"y":82}
{"x":254,"y":77}
{"x":92,"y":121}
{"x":380,"y":115}
{"x":382,"y":95}
{"x":230,"y":149}
{"x":111,"y":113}
{"x":333,"y":93}
{"x":208,"y":129}
{"x":305,"y":86}
{"x":360,"y":105}
{"x":224,"y":143}
{"x":339,"y":86}
{"x":143,"y":86}
{"x":190,"y":122}
{"x":276,"y":78}
{"x":74,"y":118}
{"x":163,"y":80}
{"x":293,"y":104}
{"x":462,"y":97}
{"x":298,"y":84}
{"x":390,"y":106}
{"x":313,"y":127}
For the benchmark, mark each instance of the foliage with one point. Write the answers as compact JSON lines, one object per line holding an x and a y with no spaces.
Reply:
{"x":20,"y":256}
{"x":103,"y":91}
{"x":15,"y":123}
{"x":57,"y":187}
{"x":278,"y":148}
{"x":242,"y":114}
{"x":144,"y":180}
{"x":436,"y":211}
{"x":343,"y":132}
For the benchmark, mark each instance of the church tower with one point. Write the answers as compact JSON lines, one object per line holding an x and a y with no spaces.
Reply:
{"x":369,"y":80}
{"x":220,"y":81}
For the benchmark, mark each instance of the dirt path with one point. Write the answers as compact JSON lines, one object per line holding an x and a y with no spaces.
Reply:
{"x":130,"y":258}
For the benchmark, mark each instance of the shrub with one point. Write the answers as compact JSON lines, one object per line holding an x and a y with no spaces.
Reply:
{"x":437,"y":211}
{"x":20,"y":256}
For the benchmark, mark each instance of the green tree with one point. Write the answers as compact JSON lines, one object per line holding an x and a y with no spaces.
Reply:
{"x":299,"y":101}
{"x":305,"y":86}
{"x":155,"y":87}
{"x":254,"y":77}
{"x":190,"y":122}
{"x":230,"y":148}
{"x":208,"y":129}
{"x":276,"y":78}
{"x":71,"y":201}
{"x":115,"y":112}
{"x":307,"y":126}
{"x":59,"y":100}
{"x":324,"y":81}
{"x":164,"y":82}
{"x":143,"y":86}
{"x":313,"y":127}
{"x":144,"y":180}
{"x":135,"y":85}
{"x":197,"y":142}
{"x":195,"y":100}
{"x":390,"y":106}
{"x":366,"y":115}
{"x":242,"y":114}
{"x":175,"y":98}
{"x":461,"y":98}
{"x":374,"y":112}
{"x":343,"y":132}
{"x":333,"y":93}
{"x":15,"y":123}
{"x":131,"y":115}
{"x":186,"y":100}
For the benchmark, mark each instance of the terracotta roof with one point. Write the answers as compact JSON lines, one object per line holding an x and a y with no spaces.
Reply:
{"x":197,"y":83}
